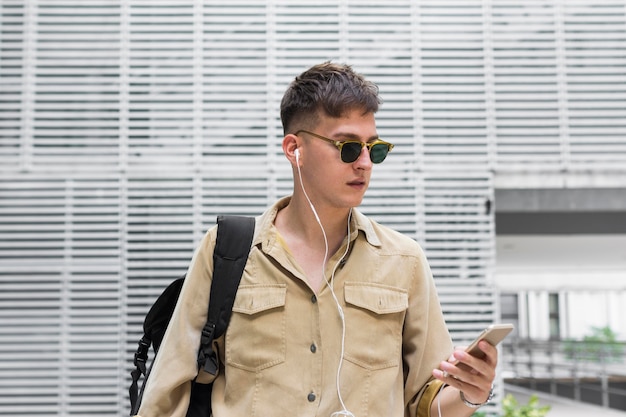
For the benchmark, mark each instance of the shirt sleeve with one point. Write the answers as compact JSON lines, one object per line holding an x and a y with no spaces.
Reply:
{"x":426,"y":342}
{"x":168,"y":388}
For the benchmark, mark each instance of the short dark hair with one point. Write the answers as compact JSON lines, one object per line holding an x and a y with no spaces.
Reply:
{"x":327,"y":88}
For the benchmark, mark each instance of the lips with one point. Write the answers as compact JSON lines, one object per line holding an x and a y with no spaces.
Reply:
{"x":357,"y":183}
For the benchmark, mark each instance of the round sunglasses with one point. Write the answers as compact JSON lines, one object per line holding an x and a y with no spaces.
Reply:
{"x":350,"y":150}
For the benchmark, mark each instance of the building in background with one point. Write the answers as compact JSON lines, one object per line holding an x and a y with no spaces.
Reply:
{"x":561,"y":259}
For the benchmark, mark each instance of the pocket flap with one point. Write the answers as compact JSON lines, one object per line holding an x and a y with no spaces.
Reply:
{"x":252,"y":299}
{"x":377,"y":298}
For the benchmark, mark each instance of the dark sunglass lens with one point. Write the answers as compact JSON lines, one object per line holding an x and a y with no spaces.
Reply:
{"x":378,"y":153}
{"x":350,"y":151}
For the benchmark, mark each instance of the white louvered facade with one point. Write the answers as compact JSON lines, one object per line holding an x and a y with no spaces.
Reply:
{"x":126,"y":126}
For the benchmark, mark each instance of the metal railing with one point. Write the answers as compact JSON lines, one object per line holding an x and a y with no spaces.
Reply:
{"x":592,"y":372}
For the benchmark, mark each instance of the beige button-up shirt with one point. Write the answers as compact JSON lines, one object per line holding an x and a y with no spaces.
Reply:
{"x":283,"y":352}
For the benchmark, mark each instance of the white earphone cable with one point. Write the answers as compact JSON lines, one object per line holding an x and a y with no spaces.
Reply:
{"x":344,"y":412}
{"x":439,"y":399}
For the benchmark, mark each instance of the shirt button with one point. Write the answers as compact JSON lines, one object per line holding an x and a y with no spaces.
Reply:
{"x":313,"y":299}
{"x":311,"y":397}
{"x":313,"y":348}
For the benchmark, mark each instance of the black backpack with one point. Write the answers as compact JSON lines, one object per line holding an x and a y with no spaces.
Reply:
{"x":234,"y":238}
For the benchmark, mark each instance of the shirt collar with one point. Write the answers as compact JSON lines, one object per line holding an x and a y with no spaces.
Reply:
{"x":364,"y":224}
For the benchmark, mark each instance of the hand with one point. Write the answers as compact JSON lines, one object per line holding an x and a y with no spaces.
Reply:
{"x":467,"y":373}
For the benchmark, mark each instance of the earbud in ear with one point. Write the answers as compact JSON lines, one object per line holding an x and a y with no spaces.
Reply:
{"x":297,"y":154}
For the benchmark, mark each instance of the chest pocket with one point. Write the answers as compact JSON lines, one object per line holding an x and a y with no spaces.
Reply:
{"x":256,"y":338}
{"x":374,"y":320}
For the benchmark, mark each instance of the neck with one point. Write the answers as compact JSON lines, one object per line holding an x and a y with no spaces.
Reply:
{"x":333,"y":219}
{"x":299,"y":219}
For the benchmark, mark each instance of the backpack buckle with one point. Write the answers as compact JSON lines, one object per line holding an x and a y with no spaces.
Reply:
{"x":207,"y":333}
{"x":141,"y":356}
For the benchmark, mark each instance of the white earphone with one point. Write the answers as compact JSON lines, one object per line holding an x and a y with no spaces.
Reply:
{"x":297,"y":155}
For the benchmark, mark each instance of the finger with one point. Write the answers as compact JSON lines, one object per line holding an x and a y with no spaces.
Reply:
{"x":453,"y":372}
{"x":491,"y":352}
{"x":447,"y":378}
{"x":456,"y":349}
{"x":455,"y":382}
{"x":476,"y":365}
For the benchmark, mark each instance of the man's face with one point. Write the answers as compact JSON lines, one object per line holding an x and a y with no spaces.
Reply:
{"x":329,"y":180}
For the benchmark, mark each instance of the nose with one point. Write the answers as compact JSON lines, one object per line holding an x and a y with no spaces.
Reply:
{"x":364,"y":161}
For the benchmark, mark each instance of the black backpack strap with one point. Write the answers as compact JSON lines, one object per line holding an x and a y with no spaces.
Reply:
{"x":234,"y":239}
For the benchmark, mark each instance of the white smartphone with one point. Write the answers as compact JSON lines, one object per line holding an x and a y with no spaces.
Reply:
{"x":493,"y":334}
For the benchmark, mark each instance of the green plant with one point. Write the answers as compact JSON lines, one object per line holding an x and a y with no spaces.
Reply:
{"x":512,"y":408}
{"x":600,"y":346}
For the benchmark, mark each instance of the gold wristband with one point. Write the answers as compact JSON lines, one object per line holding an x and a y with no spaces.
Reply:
{"x":473,"y":405}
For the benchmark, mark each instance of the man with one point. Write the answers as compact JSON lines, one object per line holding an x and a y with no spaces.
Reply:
{"x":335,"y":315}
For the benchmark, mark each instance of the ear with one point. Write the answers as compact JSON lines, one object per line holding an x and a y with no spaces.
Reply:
{"x":291,"y":149}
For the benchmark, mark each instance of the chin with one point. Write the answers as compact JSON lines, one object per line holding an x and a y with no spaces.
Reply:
{"x":355,"y":203}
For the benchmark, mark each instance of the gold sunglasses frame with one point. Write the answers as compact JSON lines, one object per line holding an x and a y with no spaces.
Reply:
{"x":339,"y":145}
